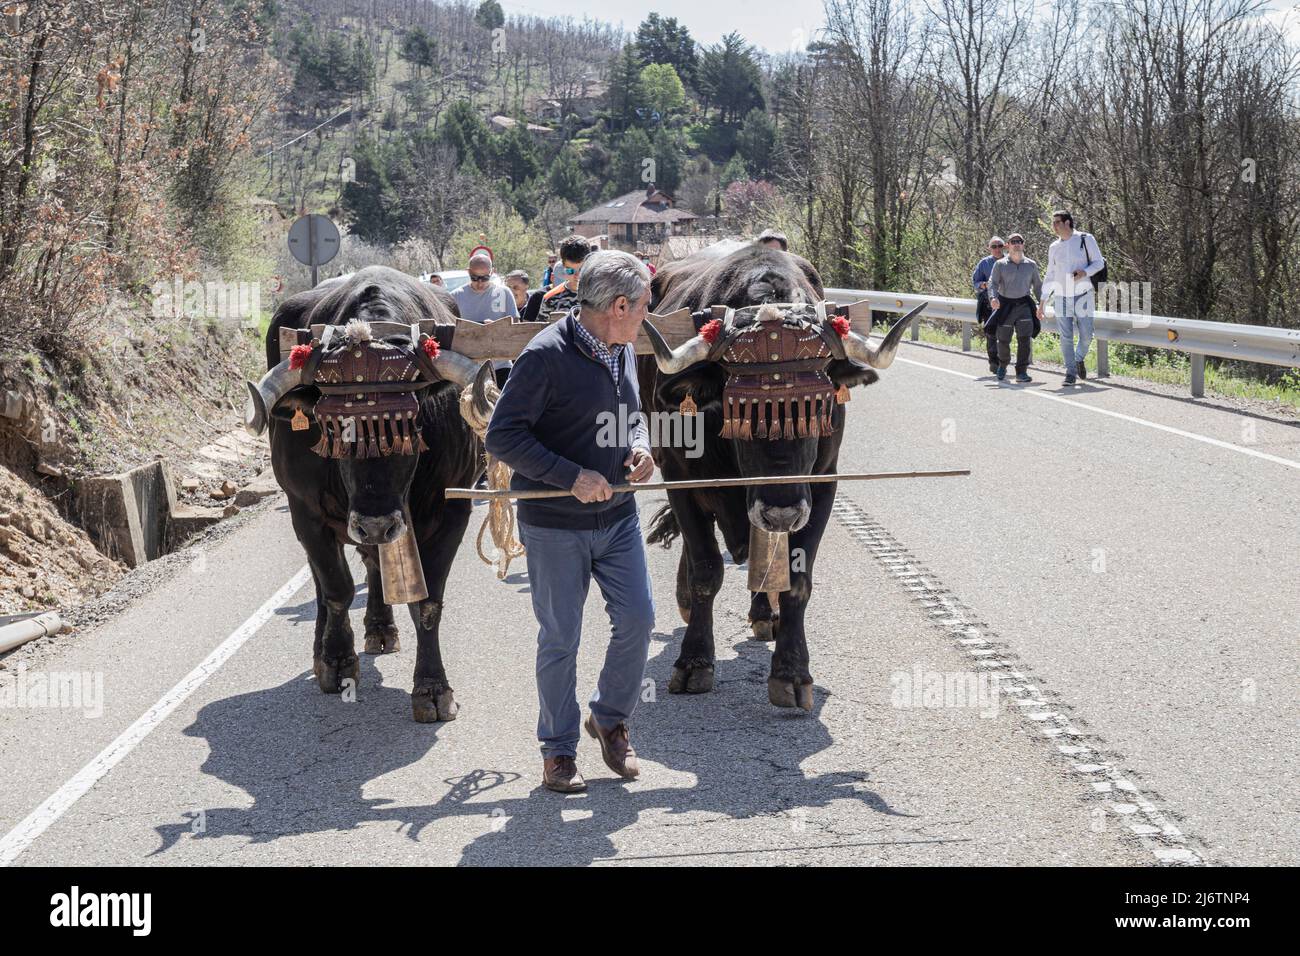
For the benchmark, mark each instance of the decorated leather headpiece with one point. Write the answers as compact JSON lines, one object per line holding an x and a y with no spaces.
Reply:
{"x":776,"y":358}
{"x":368,"y":406}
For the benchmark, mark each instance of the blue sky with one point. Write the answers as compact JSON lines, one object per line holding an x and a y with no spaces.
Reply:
{"x":771,"y":24}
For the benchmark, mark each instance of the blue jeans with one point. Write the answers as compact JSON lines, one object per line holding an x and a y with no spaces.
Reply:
{"x":1070,"y":312}
{"x":561,"y":564}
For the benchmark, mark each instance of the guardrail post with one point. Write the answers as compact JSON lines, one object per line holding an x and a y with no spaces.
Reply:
{"x":916,"y":329}
{"x":1198,"y":376}
{"x":1103,"y":359}
{"x":965,"y":336}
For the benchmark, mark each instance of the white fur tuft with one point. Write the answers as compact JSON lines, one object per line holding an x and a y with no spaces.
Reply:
{"x":768,"y":311}
{"x":356,"y":332}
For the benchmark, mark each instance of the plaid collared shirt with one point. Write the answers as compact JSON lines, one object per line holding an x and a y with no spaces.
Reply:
{"x":613,"y":358}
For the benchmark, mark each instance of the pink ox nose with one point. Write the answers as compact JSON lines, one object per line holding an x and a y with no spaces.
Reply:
{"x":786,"y":518}
{"x":376,"y":529}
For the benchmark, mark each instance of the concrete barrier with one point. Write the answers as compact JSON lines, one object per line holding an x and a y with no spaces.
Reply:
{"x":134,"y":516}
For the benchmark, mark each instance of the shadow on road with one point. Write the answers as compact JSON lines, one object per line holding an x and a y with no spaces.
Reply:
{"x":307,"y":760}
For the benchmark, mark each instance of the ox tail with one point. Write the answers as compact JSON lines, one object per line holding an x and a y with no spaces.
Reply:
{"x":663,"y":527}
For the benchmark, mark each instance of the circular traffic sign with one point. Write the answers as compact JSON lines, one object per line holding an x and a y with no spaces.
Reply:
{"x":314,"y":240}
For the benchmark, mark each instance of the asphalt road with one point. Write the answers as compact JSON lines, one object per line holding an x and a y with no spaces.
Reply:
{"x":1133,"y":582}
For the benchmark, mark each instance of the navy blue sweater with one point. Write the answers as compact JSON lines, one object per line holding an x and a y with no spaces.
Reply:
{"x":548,"y":425}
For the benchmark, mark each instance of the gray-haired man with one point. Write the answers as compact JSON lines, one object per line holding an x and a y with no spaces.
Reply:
{"x":551,"y":426}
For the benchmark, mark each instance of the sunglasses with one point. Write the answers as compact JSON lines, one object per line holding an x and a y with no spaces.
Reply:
{"x":1017,"y":242}
{"x":479,"y":278}
{"x":996,"y":245}
{"x":568,"y":271}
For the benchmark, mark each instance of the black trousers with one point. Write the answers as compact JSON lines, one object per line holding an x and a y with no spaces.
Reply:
{"x":1015,"y":317}
{"x":982,"y":312}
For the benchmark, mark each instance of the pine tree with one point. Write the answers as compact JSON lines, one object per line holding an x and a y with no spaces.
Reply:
{"x":624,"y":98}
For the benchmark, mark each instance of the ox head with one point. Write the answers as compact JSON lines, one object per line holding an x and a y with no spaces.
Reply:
{"x":778,"y":372}
{"x":361,"y":385}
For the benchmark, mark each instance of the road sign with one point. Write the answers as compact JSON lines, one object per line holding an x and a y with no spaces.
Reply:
{"x":314,"y":241}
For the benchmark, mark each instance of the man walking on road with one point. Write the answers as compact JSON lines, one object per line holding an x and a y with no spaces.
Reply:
{"x":980,"y":280}
{"x":1010,"y":284}
{"x":550,"y":425}
{"x":1072,"y":260}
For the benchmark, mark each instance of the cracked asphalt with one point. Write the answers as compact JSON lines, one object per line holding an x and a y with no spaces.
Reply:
{"x":257,"y":767}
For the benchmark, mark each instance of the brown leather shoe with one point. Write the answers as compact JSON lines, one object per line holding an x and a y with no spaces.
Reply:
{"x":560,"y":774}
{"x":615,"y":747}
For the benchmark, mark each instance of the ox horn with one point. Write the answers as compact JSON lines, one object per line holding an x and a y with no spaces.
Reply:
{"x":481,"y":402}
{"x":670,"y":360}
{"x":266,"y":394}
{"x":879,"y":354}
{"x":454,"y":367}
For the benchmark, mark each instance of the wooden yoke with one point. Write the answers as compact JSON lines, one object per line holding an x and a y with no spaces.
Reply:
{"x":506,"y":339}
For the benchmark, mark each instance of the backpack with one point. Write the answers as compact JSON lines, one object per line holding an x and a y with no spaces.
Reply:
{"x":1099,"y":277}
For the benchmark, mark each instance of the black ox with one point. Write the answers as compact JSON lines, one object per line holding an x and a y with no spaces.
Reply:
{"x":700,"y":368}
{"x":356,"y":476}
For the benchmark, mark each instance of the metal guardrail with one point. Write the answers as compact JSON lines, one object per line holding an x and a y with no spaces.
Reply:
{"x":1247,"y":343}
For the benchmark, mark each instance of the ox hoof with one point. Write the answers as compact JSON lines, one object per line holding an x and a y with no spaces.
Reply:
{"x":764,"y":630}
{"x":697,"y":680}
{"x":383,"y":640}
{"x":685,"y":612}
{"x":331,"y":674}
{"x":430,"y":706}
{"x":784,"y":693}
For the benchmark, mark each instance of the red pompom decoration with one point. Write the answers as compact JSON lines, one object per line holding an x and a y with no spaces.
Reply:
{"x":430,"y":346}
{"x":841,"y":325}
{"x":711,"y":330}
{"x":298,"y":356}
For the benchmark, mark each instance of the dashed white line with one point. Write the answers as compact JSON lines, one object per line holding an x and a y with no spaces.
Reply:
{"x":1217,"y":443}
{"x":58,"y":803}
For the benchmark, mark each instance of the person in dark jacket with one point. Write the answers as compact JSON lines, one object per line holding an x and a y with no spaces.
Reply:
{"x":980,"y":281}
{"x":570,"y":418}
{"x":564,"y":295}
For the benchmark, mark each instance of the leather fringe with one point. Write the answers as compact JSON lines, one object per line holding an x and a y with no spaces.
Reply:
{"x":322,"y":447}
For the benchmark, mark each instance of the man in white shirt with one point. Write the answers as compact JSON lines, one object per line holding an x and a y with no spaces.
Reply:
{"x":1072,"y":260}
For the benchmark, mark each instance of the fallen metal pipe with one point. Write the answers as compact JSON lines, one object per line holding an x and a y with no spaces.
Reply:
{"x":20,"y":632}
{"x":706,"y":483}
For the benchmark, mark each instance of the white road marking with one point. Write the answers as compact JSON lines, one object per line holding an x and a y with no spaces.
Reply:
{"x":1288,"y":462}
{"x":43,"y":817}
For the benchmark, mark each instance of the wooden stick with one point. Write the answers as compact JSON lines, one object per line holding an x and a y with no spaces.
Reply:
{"x":707,"y":483}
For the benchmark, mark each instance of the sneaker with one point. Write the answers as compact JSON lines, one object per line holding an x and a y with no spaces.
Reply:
{"x":1083,"y":370}
{"x":1069,"y":379}
{"x":1002,"y":372}
{"x":1022,"y":377}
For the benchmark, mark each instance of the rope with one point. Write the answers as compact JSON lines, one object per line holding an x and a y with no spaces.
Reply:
{"x":500,"y":517}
